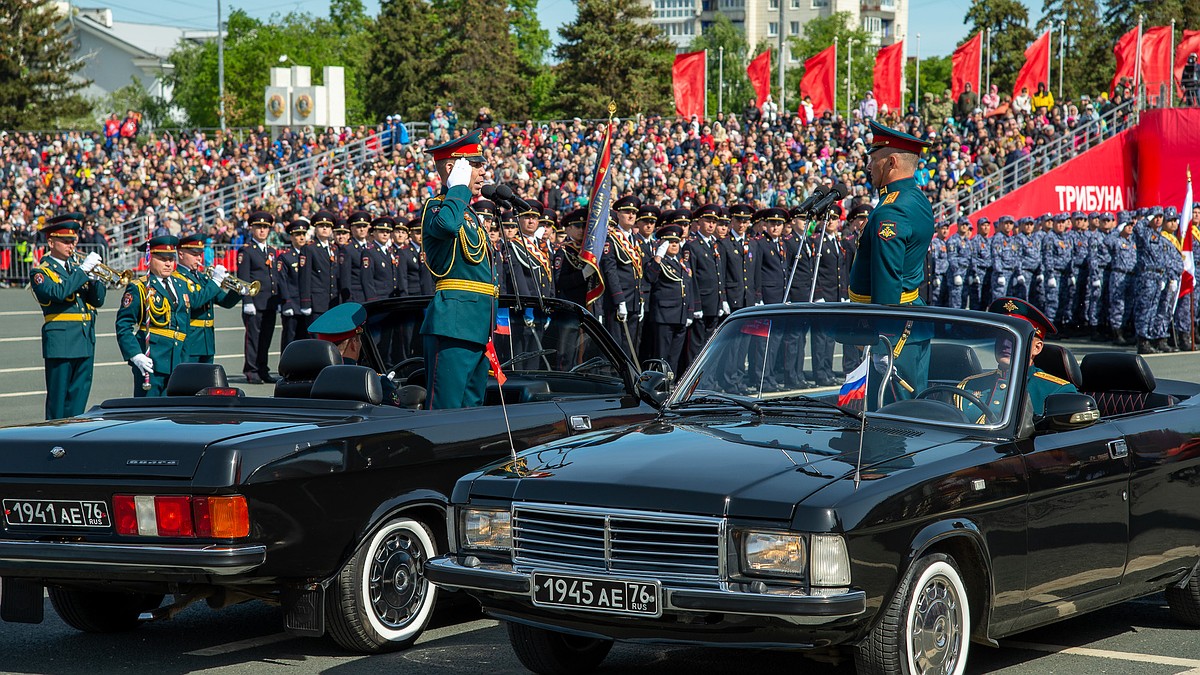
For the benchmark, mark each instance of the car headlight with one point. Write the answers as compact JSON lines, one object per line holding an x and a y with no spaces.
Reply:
{"x":830,"y":561}
{"x":773,"y":553}
{"x":486,"y":529}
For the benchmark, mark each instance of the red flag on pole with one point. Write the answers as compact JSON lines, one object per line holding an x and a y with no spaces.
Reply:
{"x":889,"y":76}
{"x":820,"y":80}
{"x":1157,"y":61}
{"x":494,"y":363}
{"x":1126,"y":52}
{"x":964,"y":66}
{"x":1037,"y":65}
{"x":688,"y":77}
{"x":759,"y":72}
{"x":1190,"y":44}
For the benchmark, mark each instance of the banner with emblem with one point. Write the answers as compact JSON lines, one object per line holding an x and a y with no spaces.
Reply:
{"x":1187,"y":234}
{"x":595,"y":232}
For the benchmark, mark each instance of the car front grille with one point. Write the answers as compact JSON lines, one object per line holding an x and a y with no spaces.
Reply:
{"x":633,"y":543}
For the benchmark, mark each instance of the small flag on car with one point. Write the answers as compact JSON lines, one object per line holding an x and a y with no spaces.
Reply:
{"x":494,"y":362}
{"x":855,"y":388}
{"x":757,"y":327}
{"x":502,"y":327}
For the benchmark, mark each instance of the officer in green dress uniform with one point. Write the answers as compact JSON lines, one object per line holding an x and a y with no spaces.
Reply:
{"x":155,"y":317}
{"x":201,"y":343}
{"x":343,"y":326}
{"x":992,"y":386}
{"x":889,"y":265}
{"x":459,"y":319}
{"x":69,"y":300}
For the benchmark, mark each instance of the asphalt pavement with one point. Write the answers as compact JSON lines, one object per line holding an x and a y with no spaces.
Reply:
{"x":1134,"y":638}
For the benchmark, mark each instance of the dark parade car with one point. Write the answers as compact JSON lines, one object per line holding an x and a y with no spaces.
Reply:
{"x":318,"y":498}
{"x":756,"y":512}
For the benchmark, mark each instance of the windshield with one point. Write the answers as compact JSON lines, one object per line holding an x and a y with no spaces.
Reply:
{"x":950,"y":370}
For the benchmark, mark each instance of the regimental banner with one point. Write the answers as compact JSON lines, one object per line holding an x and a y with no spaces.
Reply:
{"x":595,"y":232}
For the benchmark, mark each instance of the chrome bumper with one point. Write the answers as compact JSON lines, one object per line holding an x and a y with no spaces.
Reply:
{"x":23,"y":557}
{"x":450,"y":572}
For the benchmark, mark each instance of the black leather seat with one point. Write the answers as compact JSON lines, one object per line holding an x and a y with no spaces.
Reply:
{"x":1121,"y":383}
{"x":348,"y":383}
{"x":189,"y":379}
{"x":1059,"y":362}
{"x":299,"y":365}
{"x":950,"y":362}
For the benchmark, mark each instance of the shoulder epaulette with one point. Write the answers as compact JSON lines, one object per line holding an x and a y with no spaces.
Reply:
{"x":1050,"y":378}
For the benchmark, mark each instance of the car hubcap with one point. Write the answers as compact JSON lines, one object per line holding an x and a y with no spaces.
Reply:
{"x":936,"y":627}
{"x":398,"y":585}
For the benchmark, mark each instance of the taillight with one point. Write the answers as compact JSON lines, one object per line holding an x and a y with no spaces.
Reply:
{"x":181,"y":516}
{"x":221,"y":517}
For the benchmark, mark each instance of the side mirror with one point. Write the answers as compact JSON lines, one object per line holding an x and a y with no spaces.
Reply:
{"x":1064,"y":412}
{"x":659,"y":366}
{"x":654,"y":387}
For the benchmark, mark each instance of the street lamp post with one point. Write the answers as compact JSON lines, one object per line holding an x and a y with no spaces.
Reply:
{"x":221,"y":66}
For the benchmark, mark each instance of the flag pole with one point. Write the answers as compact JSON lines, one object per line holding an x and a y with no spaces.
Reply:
{"x":835,"y":40}
{"x":988,"y":68}
{"x":1171,"y":70}
{"x":917,"y":84}
{"x":705,"y":86}
{"x":849,"y":67}
{"x":979,"y":70}
{"x":1137,"y":69}
{"x":1062,"y":44}
{"x":721,"y":81}
{"x":903,"y":78}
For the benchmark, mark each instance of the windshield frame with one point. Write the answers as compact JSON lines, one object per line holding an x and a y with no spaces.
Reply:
{"x":1019,"y":330}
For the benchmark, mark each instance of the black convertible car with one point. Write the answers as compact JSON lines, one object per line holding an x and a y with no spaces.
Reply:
{"x":882,"y":518}
{"x":318,"y":498}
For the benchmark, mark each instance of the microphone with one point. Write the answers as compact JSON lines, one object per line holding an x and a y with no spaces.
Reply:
{"x":488,"y":191}
{"x":502,"y":192}
{"x":813,"y":198}
{"x":835,"y":193}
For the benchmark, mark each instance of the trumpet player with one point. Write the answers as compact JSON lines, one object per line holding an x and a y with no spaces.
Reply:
{"x":155,"y":317}
{"x":201,"y":345}
{"x":70,"y":298}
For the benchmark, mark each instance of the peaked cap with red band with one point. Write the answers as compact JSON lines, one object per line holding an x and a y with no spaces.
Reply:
{"x":469,"y":147}
{"x":883,"y":137}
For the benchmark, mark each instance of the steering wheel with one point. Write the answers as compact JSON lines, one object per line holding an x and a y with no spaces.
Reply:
{"x":988,"y":413}
{"x":407,"y":364}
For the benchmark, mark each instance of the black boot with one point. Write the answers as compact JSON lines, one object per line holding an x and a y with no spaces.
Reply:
{"x":1120,"y":340}
{"x":1186,"y":343}
{"x":1164,"y":347}
{"x":1146,"y":347}
{"x":1098,"y":335}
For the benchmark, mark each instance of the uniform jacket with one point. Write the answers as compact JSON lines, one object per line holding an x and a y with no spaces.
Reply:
{"x":773,"y":266}
{"x":319,"y":277}
{"x":890,"y":260}
{"x":201,"y":339}
{"x":159,"y":311}
{"x":740,"y":277}
{"x":288,"y":268}
{"x":569,"y":282}
{"x":458,"y":255}
{"x":672,"y":297}
{"x":704,"y":257}
{"x":621,"y":266}
{"x":69,"y":301}
{"x":257,"y":264}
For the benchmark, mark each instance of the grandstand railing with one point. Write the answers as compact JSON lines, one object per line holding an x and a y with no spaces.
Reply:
{"x":989,"y":188}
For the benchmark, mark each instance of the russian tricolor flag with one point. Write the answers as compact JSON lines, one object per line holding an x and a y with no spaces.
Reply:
{"x":855,"y":388}
{"x":502,"y":322}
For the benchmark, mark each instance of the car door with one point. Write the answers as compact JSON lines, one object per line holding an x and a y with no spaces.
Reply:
{"x":1078,"y":510}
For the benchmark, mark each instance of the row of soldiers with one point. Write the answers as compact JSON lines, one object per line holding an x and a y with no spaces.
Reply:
{"x":1100,"y":275}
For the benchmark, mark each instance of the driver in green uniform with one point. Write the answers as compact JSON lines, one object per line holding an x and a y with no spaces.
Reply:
{"x":343,"y":326}
{"x":991,"y":387}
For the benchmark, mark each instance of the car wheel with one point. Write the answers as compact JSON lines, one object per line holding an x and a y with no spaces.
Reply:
{"x":101,"y":611}
{"x":926,"y":627}
{"x":381,"y":600}
{"x":548,"y":652}
{"x":1184,"y":603}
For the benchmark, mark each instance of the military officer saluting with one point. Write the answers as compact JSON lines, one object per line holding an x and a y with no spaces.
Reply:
{"x":69,"y":299}
{"x":459,"y":320}
{"x":672,"y":297}
{"x":889,"y":266}
{"x":992,"y":387}
{"x":201,"y":344}
{"x":154,"y":319}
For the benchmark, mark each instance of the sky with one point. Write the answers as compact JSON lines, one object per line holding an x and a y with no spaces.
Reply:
{"x":940,"y":22}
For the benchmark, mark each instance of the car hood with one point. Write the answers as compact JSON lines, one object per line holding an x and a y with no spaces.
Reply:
{"x":148,"y":445}
{"x":741,"y":468}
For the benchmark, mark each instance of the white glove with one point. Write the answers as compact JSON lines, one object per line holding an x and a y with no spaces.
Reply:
{"x":758,"y":303}
{"x":622,"y":312}
{"x":1041,"y":277}
{"x":819,"y":300}
{"x":539,"y":233}
{"x":248,"y":309}
{"x":697,"y":315}
{"x":958,"y":280}
{"x":460,"y":174}
{"x":845,"y":299}
{"x":1020,"y":279}
{"x":1071,"y":280}
{"x":662,"y":249}
{"x":1174,"y":285}
{"x":881,"y":361}
{"x":688,"y":324}
{"x":724,"y":308}
{"x":1096,"y":283}
{"x":1001,"y":281}
{"x":89,"y":263}
{"x":306,"y":312}
{"x":641,"y":312}
{"x":1162,"y":285}
{"x":1052,"y":283}
{"x":219,"y":274}
{"x":975,"y":279}
{"x":288,"y":312}
{"x":143,"y":363}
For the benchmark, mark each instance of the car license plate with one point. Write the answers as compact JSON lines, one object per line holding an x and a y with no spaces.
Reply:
{"x":56,"y":513}
{"x":595,"y":594}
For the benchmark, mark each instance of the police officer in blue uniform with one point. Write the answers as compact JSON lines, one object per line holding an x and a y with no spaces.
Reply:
{"x":703,"y":254}
{"x":378,"y":268}
{"x":352,"y":256}
{"x":1006,"y":256}
{"x":939,"y":288}
{"x":1173,"y":271}
{"x":1057,"y":254}
{"x":1029,"y":260}
{"x":289,"y":267}
{"x":1150,"y":280}
{"x":1123,"y":253}
{"x":1099,"y":270}
{"x":621,"y":266}
{"x":981,"y":264}
{"x":737,"y":251}
{"x":321,"y":271}
{"x":672,"y":297}
{"x":256,"y":262}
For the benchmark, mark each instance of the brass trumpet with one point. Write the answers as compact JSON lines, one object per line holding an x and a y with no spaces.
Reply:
{"x":105,"y":273}
{"x":239,"y":286}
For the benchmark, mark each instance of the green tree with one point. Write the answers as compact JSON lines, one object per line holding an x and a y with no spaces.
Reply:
{"x":818,"y":35}
{"x":612,"y":52}
{"x":1088,"y":64}
{"x":738,"y":90}
{"x":402,"y":67}
{"x":480,"y":62}
{"x":252,"y":48}
{"x":1011,"y":35}
{"x":531,"y":40}
{"x":38,"y":86}
{"x":935,"y":78}
{"x":1122,"y":15}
